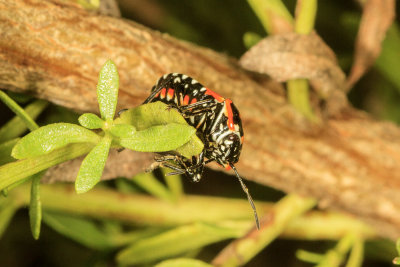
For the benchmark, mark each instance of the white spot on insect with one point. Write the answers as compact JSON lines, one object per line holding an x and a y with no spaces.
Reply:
{"x":177,"y":80}
{"x":165,"y":76}
{"x":236,"y":127}
{"x":186,"y":86}
{"x":175,"y":74}
{"x":222,"y":147}
{"x":194,"y":81}
{"x":228,"y":142}
{"x":221,"y":127}
{"x":184,"y":76}
{"x":203,"y":89}
{"x":192,"y":119}
{"x":176,"y":100}
{"x":194,"y":92}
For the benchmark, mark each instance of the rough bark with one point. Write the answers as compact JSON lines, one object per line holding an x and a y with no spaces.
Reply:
{"x":54,"y":50}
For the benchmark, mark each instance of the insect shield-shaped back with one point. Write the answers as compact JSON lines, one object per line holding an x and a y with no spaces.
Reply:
{"x":216,"y":119}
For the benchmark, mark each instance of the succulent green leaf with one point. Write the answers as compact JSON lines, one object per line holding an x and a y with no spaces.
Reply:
{"x":158,"y":113}
{"x":122,"y":130}
{"x":79,"y":229}
{"x":90,"y":121}
{"x":35,"y":206}
{"x":152,"y":114}
{"x":159,"y":138}
{"x":107,"y":90}
{"x":50,"y":137}
{"x":183,"y":262}
{"x":191,"y":148}
{"x":16,"y":172}
{"x":92,"y":166}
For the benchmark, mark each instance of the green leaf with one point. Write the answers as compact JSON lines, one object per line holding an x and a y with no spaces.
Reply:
{"x":16,"y":126}
{"x":92,"y":166}
{"x":79,"y":229}
{"x":191,"y":148}
{"x":16,"y":172}
{"x":51,"y":137}
{"x":107,"y":90}
{"x":35,"y":206}
{"x":152,"y":114}
{"x":183,"y":262}
{"x":90,"y":121}
{"x":172,"y":243}
{"x":159,"y":138}
{"x":122,"y":130}
{"x":158,"y":113}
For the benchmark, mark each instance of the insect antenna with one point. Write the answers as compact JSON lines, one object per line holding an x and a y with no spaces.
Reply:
{"x":246,"y":190}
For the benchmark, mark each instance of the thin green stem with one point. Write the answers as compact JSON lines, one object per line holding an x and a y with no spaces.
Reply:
{"x":16,"y":171}
{"x":272,"y":225}
{"x":335,"y":257}
{"x":148,"y":182}
{"x":267,"y":9}
{"x":357,"y":253}
{"x":298,"y":90}
{"x":174,"y":183}
{"x":31,"y":124}
{"x":298,"y":96}
{"x":101,"y":203}
{"x":305,"y":17}
{"x":16,"y":126}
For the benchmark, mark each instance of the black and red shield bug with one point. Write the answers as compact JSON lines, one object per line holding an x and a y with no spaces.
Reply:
{"x":216,"y":119}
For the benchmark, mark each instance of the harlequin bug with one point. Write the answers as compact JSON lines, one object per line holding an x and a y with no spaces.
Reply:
{"x":217,"y":122}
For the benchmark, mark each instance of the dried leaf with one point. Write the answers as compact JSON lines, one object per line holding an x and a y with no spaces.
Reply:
{"x":292,"y":56}
{"x":377,"y":17}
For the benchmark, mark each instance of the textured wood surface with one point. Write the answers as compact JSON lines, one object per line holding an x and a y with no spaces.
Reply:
{"x":54,"y":50}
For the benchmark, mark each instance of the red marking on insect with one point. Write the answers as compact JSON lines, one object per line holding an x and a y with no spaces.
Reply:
{"x":229,"y":113}
{"x":241,"y":139}
{"x":194,"y":100}
{"x":170,"y":93}
{"x":163,"y":91}
{"x":227,"y":167}
{"x":185,"y":100}
{"x":214,"y":94}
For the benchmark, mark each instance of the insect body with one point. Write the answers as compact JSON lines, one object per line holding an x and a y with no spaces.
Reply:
{"x":217,"y":122}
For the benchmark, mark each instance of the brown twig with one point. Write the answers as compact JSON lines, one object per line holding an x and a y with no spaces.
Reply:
{"x":54,"y":50}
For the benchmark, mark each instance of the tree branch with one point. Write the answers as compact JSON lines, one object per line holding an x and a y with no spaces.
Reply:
{"x":54,"y":50}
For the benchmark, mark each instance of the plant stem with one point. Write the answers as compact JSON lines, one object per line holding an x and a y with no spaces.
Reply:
{"x":265,"y":8}
{"x":16,"y":171}
{"x":31,"y":124}
{"x":16,"y":126}
{"x":298,"y":90}
{"x":103,"y":203}
{"x":273,"y":224}
{"x":298,"y":96}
